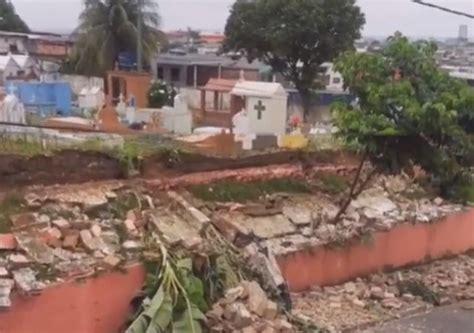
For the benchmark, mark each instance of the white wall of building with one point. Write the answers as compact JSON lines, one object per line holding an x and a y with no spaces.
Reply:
{"x":7,"y":41}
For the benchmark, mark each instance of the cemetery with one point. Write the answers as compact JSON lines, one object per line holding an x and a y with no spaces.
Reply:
{"x":115,"y":184}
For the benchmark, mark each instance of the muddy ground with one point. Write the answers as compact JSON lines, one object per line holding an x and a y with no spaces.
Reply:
{"x":73,"y":167}
{"x":61,"y":168}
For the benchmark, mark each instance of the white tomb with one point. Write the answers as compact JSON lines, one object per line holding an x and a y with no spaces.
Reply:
{"x":12,"y":110}
{"x":91,"y":98}
{"x":177,"y":120}
{"x":265,"y":110}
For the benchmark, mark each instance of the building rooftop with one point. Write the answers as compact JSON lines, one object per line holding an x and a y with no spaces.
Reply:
{"x":206,"y":60}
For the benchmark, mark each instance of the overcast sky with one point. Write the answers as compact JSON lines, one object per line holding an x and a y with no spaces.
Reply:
{"x":383,"y":16}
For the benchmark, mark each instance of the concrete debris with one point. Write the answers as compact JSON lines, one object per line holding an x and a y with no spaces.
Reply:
{"x":246,"y":308}
{"x":70,"y":241}
{"x":299,"y":215}
{"x":35,"y":248}
{"x":264,"y":227}
{"x":306,"y":220}
{"x":193,"y":211}
{"x":131,"y":245}
{"x":175,"y":228}
{"x":4,"y":272}
{"x":61,"y":224}
{"x":112,"y":261}
{"x":18,"y":260}
{"x":25,"y":279}
{"x":381,"y":297}
{"x":257,"y":299}
{"x":96,"y":230}
{"x":6,"y":286}
{"x":89,"y":241}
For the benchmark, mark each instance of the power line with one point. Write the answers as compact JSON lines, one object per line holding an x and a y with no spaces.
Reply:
{"x":423,"y":3}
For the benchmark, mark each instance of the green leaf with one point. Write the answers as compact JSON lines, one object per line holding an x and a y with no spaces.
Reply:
{"x":155,"y":303}
{"x":188,"y":321}
{"x":164,"y":314}
{"x":139,"y":325}
{"x":186,"y":264}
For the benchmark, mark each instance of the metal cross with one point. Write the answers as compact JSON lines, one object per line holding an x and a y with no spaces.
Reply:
{"x":259,"y":108}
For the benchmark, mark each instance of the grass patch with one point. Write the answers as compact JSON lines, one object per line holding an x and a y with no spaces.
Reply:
{"x":12,"y":204}
{"x":332,"y":183}
{"x":21,"y":147}
{"x":233,"y":191}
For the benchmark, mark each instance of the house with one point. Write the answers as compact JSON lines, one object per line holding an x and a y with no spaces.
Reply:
{"x":38,"y":44}
{"x":9,"y":68}
{"x":195,"y":70}
{"x":332,"y":78}
{"x":13,"y":42}
{"x":18,"y":66}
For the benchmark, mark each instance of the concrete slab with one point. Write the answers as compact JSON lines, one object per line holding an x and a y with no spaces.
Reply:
{"x":264,"y":227}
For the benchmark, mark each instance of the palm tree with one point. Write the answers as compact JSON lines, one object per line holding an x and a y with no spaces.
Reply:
{"x":109,"y":27}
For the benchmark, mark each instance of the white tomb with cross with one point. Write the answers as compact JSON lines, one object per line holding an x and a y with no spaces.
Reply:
{"x":265,"y":108}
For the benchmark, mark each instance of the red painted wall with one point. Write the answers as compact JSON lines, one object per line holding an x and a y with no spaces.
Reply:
{"x":99,"y":305}
{"x":404,"y":245}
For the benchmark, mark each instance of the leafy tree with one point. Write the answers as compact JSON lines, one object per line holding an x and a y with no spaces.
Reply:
{"x":108,"y":27}
{"x":294,"y":37}
{"x":10,"y":20}
{"x":408,"y":111}
{"x":160,"y":94}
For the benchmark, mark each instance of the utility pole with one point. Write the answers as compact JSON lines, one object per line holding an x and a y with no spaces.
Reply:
{"x":139,"y":44}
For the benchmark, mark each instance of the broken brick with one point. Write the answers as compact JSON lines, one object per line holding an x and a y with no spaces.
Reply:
{"x":61,"y":224}
{"x":90,"y":242}
{"x":112,"y":261}
{"x":271,"y":310}
{"x":7,"y":242}
{"x":55,"y":233}
{"x":18,"y":260}
{"x":4,"y":272}
{"x":257,"y":300}
{"x":96,"y":230}
{"x":71,"y":241}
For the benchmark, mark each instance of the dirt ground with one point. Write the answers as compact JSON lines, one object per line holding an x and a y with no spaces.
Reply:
{"x":60,"y":168}
{"x":73,"y":167}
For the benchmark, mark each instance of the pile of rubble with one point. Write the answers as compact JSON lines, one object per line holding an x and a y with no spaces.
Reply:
{"x":286,"y":224}
{"x":382,"y":297}
{"x":246,"y":309}
{"x":75,"y":232}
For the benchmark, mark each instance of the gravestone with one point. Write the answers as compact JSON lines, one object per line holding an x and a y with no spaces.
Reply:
{"x":265,"y":108}
{"x":11,"y":109}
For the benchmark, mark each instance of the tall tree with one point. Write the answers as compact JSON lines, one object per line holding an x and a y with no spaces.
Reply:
{"x":10,"y":20}
{"x":294,"y":37}
{"x":409,"y":112}
{"x":109,"y":27}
